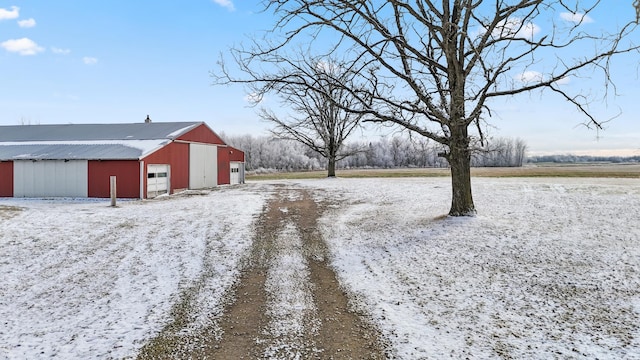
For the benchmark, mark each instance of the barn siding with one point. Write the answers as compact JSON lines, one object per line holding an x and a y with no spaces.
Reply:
{"x":6,"y":178}
{"x":176,"y":155}
{"x":202,"y":134}
{"x":224,"y":172}
{"x":235,"y":154}
{"x":127,"y":173}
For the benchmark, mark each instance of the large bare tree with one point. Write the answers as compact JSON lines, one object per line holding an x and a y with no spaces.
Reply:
{"x":433,"y":66}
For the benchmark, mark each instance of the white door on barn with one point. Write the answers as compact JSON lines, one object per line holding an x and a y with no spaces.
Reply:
{"x":157,"y":180}
{"x":237,"y":173}
{"x":50,"y":178}
{"x":203,"y":166}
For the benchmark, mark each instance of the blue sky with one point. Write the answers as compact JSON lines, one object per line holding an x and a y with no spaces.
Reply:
{"x":71,"y":61}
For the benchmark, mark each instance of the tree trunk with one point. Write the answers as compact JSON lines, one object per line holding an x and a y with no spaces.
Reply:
{"x":460,"y":161}
{"x":331,"y":167}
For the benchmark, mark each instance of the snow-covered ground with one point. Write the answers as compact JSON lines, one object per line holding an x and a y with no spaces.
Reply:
{"x":82,"y":280}
{"x":550,"y":268}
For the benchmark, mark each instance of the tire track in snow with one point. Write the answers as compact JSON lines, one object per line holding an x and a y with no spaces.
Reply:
{"x":290,"y":299}
{"x":288,"y":303}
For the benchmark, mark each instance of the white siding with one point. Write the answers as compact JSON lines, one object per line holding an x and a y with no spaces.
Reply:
{"x":203,"y":166}
{"x":50,"y":178}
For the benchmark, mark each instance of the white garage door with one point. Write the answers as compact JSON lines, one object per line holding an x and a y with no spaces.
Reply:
{"x":157,"y":180}
{"x":50,"y":178}
{"x":203,"y":166}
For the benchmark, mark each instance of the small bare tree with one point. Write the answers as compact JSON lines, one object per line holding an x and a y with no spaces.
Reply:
{"x":317,"y":95}
{"x":433,"y":66}
{"x":320,"y":96}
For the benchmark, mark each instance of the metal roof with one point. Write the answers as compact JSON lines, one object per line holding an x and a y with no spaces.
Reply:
{"x":69,"y":152}
{"x":88,"y":141}
{"x":84,"y":132}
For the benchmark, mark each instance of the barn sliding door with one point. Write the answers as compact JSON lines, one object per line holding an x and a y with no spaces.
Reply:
{"x":50,"y":178}
{"x":203,"y":166}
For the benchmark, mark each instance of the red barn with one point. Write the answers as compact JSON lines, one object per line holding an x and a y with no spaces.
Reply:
{"x":148,"y":159}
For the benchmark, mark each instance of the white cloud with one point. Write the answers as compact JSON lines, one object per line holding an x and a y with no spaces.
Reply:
{"x":22,"y":46}
{"x":576,"y":18}
{"x":59,"y":51}
{"x":28,"y":23}
{"x":530,"y":76}
{"x":328,"y":68}
{"x":536,"y":77}
{"x":9,"y":14}
{"x":89,"y":60}
{"x":514,"y":28}
{"x":225,"y":3}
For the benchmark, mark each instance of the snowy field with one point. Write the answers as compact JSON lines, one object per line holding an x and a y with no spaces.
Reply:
{"x":82,"y":280}
{"x":550,"y":268}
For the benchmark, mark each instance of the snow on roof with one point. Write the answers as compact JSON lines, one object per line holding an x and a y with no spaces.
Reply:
{"x":86,"y":132}
{"x":87,"y":141}
{"x":87,"y":150}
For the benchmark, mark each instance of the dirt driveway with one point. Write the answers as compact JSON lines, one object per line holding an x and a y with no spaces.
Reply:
{"x":287,"y":303}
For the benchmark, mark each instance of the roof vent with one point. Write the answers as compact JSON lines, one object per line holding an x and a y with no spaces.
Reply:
{"x":147,"y":120}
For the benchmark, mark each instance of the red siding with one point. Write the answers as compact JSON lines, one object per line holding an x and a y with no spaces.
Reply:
{"x":225,"y":155}
{"x":235,"y":154}
{"x":202,"y":134}
{"x":127,"y":173}
{"x":6,"y":178}
{"x":177,"y":156}
{"x":224,"y":172}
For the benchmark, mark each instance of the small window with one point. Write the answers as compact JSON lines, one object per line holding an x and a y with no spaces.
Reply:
{"x":162,"y":175}
{"x":151,"y":175}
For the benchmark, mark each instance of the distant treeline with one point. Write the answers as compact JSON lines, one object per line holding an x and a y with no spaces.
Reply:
{"x":568,"y":159}
{"x":268,"y":154}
